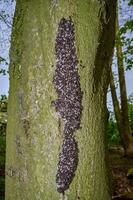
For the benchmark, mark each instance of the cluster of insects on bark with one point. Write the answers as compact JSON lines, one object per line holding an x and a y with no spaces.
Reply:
{"x":69,"y":103}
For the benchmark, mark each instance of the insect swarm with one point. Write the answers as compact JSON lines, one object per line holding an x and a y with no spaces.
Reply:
{"x":69,"y":103}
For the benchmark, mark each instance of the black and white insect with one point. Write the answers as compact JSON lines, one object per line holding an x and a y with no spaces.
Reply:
{"x":69,"y":103}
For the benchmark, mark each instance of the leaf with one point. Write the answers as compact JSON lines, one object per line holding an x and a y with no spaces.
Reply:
{"x":130,"y":3}
{"x":2,"y":59}
{"x":3,"y":72}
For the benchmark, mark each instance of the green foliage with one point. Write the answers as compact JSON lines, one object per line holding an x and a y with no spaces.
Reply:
{"x":2,"y":189}
{"x":2,"y":165}
{"x":127,"y":26}
{"x":3,"y":114}
{"x":130,"y":111}
{"x":3,"y":71}
{"x":124,"y":39}
{"x":112,"y":132}
{"x":2,"y":159}
{"x":1,"y":59}
{"x":3,"y":122}
{"x":130,"y":3}
{"x":127,"y":44}
{"x":3,"y":103}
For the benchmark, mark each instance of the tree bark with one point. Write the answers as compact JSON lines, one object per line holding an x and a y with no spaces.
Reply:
{"x":35,"y":132}
{"x":125,"y":138}
{"x":124,"y":127}
{"x":116,"y":106}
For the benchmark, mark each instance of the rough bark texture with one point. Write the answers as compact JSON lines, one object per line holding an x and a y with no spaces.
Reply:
{"x":35,"y":131}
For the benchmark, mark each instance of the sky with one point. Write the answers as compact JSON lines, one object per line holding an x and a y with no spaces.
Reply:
{"x":6,"y":8}
{"x":5,"y":34}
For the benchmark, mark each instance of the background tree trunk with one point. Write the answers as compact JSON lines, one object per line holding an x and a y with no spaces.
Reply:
{"x":116,"y":106}
{"x":121,"y":113}
{"x":35,"y":131}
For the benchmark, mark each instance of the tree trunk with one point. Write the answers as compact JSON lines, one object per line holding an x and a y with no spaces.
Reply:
{"x":116,"y":106}
{"x":125,"y":125}
{"x":36,"y":133}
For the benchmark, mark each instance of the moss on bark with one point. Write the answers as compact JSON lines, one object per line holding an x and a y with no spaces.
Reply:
{"x":35,"y":132}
